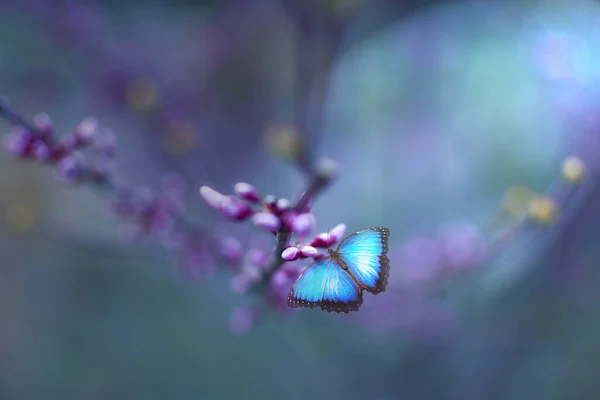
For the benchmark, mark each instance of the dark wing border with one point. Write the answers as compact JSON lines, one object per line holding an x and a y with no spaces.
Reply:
{"x":325,"y":305}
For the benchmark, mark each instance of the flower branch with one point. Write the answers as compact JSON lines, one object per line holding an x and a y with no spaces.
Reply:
{"x":276,"y":215}
{"x":324,"y":175}
{"x":86,"y":156}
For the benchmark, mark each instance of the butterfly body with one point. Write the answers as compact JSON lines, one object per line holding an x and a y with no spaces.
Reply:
{"x":336,"y":283}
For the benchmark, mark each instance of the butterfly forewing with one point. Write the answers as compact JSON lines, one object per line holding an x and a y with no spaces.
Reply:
{"x":326,"y":285}
{"x":365,"y":255}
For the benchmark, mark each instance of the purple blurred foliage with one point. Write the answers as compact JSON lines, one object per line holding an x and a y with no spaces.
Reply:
{"x":194,"y":258}
{"x":243,"y":319}
{"x":411,"y":313}
{"x":85,"y":157}
{"x":280,"y":285}
{"x":420,"y":265}
{"x":77,"y":156}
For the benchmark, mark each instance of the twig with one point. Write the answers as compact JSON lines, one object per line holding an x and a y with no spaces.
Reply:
{"x":106,"y":186}
{"x":316,"y":186}
{"x":9,"y":115}
{"x":311,"y":80}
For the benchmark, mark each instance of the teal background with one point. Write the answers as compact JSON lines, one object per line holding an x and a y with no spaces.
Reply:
{"x":432,"y":111}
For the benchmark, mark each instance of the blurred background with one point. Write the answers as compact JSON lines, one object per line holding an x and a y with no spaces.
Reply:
{"x":451,"y":122}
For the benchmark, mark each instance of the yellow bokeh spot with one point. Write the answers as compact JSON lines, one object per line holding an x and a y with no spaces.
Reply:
{"x":180,"y":137}
{"x":543,"y":209}
{"x":573,"y":170}
{"x":516,"y":200}
{"x":142,"y":96}
{"x":283,"y":140}
{"x":20,"y":217}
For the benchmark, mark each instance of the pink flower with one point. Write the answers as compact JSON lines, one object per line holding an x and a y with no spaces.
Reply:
{"x":266,"y":221}
{"x":229,"y":206}
{"x":303,"y":223}
{"x":290,"y":253}
{"x":247,"y":191}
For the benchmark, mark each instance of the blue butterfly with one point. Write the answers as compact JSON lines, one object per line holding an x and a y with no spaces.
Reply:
{"x":336,"y":283}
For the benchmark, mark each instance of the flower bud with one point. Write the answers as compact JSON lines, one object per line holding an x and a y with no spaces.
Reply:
{"x":229,"y":206}
{"x":85,"y":131}
{"x":69,"y":170}
{"x":44,"y":124}
{"x":282,"y":205}
{"x":18,"y":141}
{"x":247,"y":192}
{"x":233,"y":208}
{"x":308,"y":251}
{"x":290,"y":254}
{"x":266,"y":221}
{"x":40,"y":150}
{"x":303,"y":224}
{"x":337,"y":233}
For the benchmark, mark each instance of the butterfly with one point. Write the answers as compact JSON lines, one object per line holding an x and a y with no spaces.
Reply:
{"x":336,"y":283}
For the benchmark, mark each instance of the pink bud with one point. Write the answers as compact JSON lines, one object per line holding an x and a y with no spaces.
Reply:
{"x":309,"y":251}
{"x":44,"y":124}
{"x":321,"y":240}
{"x":290,"y":254}
{"x":86,"y":130}
{"x":270,"y":201}
{"x":282,"y":205}
{"x":212,"y":197}
{"x":247,"y":191}
{"x":40,"y":150}
{"x":42,"y":120}
{"x":329,"y":238}
{"x":18,"y":141}
{"x":337,"y":233}
{"x":303,"y":224}
{"x":266,"y":221}
{"x":229,"y":206}
{"x":69,"y":169}
{"x":233,"y":208}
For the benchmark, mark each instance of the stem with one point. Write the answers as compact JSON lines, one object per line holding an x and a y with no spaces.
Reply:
{"x":318,"y":183}
{"x":318,"y":43}
{"x":9,"y":115}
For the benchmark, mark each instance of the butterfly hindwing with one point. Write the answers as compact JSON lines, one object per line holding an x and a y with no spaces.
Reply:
{"x":365,"y":255}
{"x":326,"y":285}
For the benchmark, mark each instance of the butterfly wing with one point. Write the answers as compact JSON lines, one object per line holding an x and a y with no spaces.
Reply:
{"x":365,"y":255}
{"x":325,"y":284}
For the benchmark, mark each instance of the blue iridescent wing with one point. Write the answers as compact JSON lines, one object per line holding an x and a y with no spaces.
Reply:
{"x":365,"y":255}
{"x":326,"y":285}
